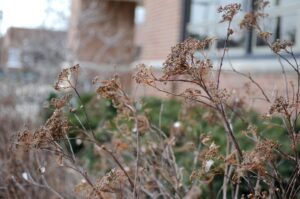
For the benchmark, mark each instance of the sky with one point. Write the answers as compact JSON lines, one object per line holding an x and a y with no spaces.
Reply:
{"x":33,"y":13}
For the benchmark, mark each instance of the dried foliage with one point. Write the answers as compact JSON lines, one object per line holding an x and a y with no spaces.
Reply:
{"x":229,"y":11}
{"x":142,"y":159}
{"x":53,"y":130}
{"x":111,"y":89}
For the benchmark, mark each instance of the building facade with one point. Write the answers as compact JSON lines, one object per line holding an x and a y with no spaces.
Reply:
{"x":169,"y":22}
{"x":23,"y":48}
{"x":114,"y":35}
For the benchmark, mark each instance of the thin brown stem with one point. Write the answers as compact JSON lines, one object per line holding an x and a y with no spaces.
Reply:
{"x":254,"y":82}
{"x":223,"y":55}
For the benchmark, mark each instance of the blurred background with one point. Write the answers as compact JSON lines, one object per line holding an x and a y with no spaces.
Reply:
{"x":40,"y":37}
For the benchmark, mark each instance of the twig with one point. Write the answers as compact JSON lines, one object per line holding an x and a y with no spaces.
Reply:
{"x":136,"y":178}
{"x":223,"y":55}
{"x":253,"y":81}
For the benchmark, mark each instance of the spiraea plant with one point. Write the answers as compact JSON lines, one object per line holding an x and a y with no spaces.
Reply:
{"x":142,"y":161}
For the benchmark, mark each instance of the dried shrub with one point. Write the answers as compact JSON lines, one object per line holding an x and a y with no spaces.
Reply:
{"x":145,"y":158}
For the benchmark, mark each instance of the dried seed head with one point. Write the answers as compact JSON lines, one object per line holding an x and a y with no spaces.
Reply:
{"x":257,"y":159}
{"x":111,"y":89}
{"x":229,"y":11}
{"x":55,"y":128}
{"x":111,"y":182}
{"x":280,"y":105}
{"x":59,"y":103}
{"x":66,"y":77}
{"x":144,"y":75}
{"x":24,"y":139}
{"x":249,"y":21}
{"x":278,"y":45}
{"x":265,"y":35}
{"x":181,"y":60}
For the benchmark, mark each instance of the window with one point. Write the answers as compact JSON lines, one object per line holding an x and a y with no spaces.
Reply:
{"x":284,"y":15}
{"x":282,"y":23}
{"x":139,"y":15}
{"x":14,"y":55}
{"x":204,"y":22}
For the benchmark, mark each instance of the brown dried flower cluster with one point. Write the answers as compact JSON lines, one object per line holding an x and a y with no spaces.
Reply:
{"x":112,"y":89}
{"x":144,"y":75}
{"x":55,"y":128}
{"x":201,"y":69}
{"x":258,"y":159}
{"x":25,"y":139}
{"x":251,"y":18}
{"x":218,"y":95}
{"x":249,"y":21}
{"x":113,"y":182}
{"x":209,"y":166}
{"x":181,"y":61}
{"x":211,"y":152}
{"x":192,"y":93}
{"x":229,"y":11}
{"x":280,"y":105}
{"x":278,"y":45}
{"x":60,"y":103}
{"x":265,"y":35}
{"x":66,"y":78}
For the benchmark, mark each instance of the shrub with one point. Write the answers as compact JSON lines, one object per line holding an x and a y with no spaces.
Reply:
{"x":207,"y":145}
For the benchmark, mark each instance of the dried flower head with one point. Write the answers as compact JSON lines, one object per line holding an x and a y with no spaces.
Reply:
{"x":191,"y":93}
{"x":218,"y":95}
{"x":55,"y":128}
{"x":280,"y":105}
{"x":25,"y":139}
{"x":265,"y":35}
{"x":112,"y":89}
{"x":66,"y":77}
{"x":60,"y":103}
{"x":212,"y":152}
{"x":112,"y":182}
{"x":201,"y":69}
{"x":278,"y":45}
{"x":250,"y":19}
{"x":57,"y":125}
{"x":144,"y":75}
{"x":182,"y":59}
{"x":257,"y":159}
{"x":229,"y":11}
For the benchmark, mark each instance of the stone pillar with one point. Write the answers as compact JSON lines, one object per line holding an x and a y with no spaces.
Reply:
{"x":102,"y":32}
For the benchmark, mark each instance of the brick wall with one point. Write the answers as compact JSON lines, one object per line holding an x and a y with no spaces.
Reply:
{"x":161,"y":29}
